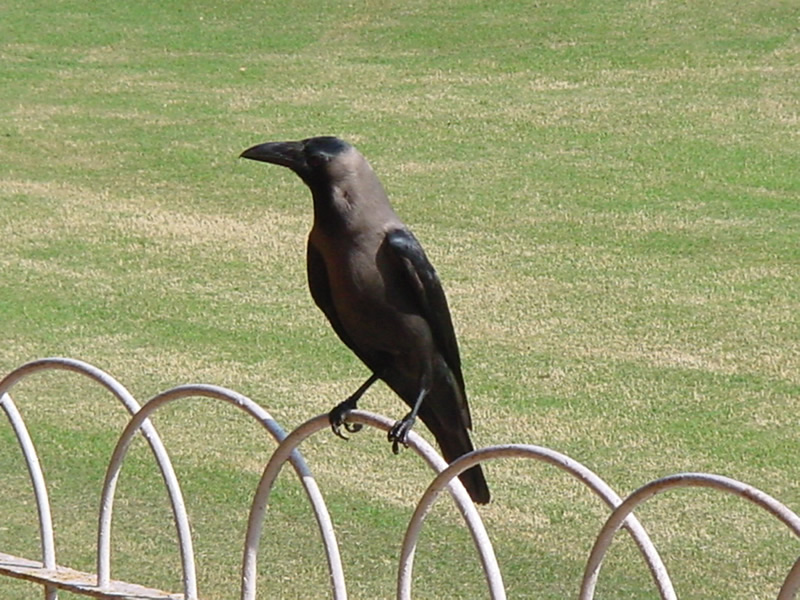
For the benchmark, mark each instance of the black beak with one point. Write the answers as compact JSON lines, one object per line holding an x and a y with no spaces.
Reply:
{"x":286,"y":154}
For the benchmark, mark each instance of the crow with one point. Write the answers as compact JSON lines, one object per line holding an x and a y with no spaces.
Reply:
{"x":371,"y":278}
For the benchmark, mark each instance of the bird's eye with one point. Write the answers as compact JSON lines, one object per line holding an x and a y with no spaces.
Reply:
{"x":316,"y":160}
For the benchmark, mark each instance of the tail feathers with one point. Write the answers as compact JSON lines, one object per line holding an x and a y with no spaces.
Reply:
{"x":455,"y":443}
{"x":446,"y":415}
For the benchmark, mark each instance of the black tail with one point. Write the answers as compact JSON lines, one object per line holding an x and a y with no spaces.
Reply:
{"x":446,"y":416}
{"x":454,"y":443}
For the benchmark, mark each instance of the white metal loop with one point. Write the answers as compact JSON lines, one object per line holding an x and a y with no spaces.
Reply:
{"x":32,"y":459}
{"x":255,"y":411}
{"x":46,"y":536}
{"x":546,"y":455}
{"x":414,"y":441}
{"x":647,"y":491}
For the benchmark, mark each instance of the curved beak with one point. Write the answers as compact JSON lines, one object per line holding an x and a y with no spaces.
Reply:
{"x":286,"y":154}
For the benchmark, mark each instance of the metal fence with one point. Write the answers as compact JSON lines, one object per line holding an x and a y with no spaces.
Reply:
{"x":100,"y":584}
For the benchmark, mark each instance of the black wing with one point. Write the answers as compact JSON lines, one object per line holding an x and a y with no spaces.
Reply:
{"x":429,"y":293}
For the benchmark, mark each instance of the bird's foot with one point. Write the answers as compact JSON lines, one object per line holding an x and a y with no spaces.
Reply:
{"x":399,"y":432}
{"x":338,"y":418}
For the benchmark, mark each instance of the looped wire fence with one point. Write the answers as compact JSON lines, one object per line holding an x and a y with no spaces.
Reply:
{"x":53,"y":577}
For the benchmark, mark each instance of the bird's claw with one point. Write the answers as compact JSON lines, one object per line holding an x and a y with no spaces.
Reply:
{"x":338,"y":419}
{"x":349,"y":427}
{"x":337,"y":429}
{"x":398,"y":434}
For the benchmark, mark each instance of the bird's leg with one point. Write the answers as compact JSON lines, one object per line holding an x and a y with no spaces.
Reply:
{"x":338,"y":415}
{"x":399,"y":431}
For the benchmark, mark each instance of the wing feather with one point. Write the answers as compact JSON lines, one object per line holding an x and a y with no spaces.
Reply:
{"x":431,"y":298}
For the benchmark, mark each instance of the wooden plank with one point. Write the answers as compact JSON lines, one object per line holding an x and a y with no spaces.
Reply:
{"x":78,"y":582}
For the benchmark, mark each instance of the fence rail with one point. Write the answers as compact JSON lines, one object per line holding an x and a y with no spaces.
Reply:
{"x":54,"y":577}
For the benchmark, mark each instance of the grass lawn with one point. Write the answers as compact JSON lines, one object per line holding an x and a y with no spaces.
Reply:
{"x":609,"y":191}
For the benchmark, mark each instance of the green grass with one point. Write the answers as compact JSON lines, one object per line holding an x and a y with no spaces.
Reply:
{"x":610,"y":193}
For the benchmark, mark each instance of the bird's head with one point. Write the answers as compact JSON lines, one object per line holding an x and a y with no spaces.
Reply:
{"x":318,"y":161}
{"x":343,"y":185}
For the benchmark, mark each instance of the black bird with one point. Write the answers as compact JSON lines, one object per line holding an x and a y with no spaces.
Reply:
{"x":370,"y":276}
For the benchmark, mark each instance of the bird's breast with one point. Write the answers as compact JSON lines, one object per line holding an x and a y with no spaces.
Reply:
{"x":358,"y":286}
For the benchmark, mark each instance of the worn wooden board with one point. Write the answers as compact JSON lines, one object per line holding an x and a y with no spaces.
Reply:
{"x":77,"y":581}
